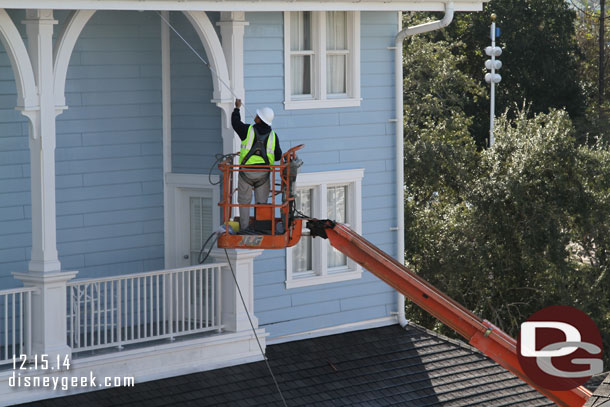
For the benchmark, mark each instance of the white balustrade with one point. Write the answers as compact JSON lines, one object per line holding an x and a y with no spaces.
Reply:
{"x":119,"y":310}
{"x":16,"y":325}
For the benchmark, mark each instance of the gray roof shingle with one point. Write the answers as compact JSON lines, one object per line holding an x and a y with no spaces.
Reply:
{"x":601,"y":396}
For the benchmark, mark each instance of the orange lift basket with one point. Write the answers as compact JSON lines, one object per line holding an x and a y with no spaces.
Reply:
{"x":278,"y":226}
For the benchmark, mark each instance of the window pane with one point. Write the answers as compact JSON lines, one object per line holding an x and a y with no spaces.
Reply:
{"x":335,"y":74}
{"x":301,"y":255}
{"x":302,"y":252}
{"x":201,"y":224}
{"x":336,"y":30}
{"x":300,"y":31}
{"x":300,"y":65}
{"x":337,"y":210}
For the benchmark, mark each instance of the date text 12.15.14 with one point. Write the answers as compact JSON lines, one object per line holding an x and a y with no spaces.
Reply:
{"x":41,"y":362}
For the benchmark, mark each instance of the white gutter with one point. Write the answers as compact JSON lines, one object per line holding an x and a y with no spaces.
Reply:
{"x":400,"y":156}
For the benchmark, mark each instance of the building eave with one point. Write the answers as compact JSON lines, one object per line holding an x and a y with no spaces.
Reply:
{"x":243,"y":5}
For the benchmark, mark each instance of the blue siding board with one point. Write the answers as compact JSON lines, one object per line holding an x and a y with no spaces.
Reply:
{"x":281,"y":328}
{"x":126,"y":97}
{"x":100,"y":112}
{"x":345,"y":290}
{"x":68,"y":141}
{"x":15,"y":240}
{"x":15,"y":157}
{"x":14,"y":198}
{"x":11,"y":255}
{"x":271,"y":304}
{"x":260,"y":278}
{"x":99,"y":165}
{"x":117,"y":137}
{"x":305,"y":311}
{"x":367,"y":301}
{"x":11,"y":213}
{"x":116,"y":258}
{"x":123,"y":216}
{"x":89,"y":153}
{"x":101,"y":205}
{"x":113,"y":177}
{"x":69,"y":221}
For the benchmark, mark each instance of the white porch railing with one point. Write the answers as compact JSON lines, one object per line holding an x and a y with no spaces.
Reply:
{"x":16,"y":317}
{"x":119,"y":310}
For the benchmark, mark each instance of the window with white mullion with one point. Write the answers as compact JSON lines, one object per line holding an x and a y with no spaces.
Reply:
{"x":335,"y":195}
{"x":329,"y":74}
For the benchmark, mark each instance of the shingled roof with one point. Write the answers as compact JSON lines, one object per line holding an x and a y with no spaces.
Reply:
{"x":601,"y":396}
{"x":376,"y":367}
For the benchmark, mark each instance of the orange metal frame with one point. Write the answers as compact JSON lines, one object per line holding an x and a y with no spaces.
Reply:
{"x":275,"y":240}
{"x":481,"y":334}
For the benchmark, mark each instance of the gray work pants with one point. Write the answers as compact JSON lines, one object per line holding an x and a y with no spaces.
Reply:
{"x":257,"y":180}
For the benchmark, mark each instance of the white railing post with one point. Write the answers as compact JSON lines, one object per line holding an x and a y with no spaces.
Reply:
{"x":232,"y":313}
{"x":119,"y":316}
{"x":48,"y":311}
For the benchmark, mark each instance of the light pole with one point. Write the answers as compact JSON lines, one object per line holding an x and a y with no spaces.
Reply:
{"x":492,"y":77}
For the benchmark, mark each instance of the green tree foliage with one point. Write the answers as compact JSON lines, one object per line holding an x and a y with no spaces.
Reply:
{"x":509,"y":230}
{"x":595,"y":124}
{"x":435,"y":94}
{"x":527,"y":229}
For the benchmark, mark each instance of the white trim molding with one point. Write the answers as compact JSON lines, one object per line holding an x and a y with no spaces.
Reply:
{"x":215,"y":54}
{"x":319,"y":183}
{"x":63,"y":50}
{"x":319,"y":99}
{"x":174,"y":184}
{"x":27,"y":92}
{"x":246,"y":5}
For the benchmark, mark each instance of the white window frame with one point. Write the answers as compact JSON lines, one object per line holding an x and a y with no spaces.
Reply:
{"x":320,"y":181}
{"x":319,"y":98}
{"x":177,"y":184}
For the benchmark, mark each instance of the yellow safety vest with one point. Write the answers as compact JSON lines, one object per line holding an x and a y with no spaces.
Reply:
{"x":246,"y":146}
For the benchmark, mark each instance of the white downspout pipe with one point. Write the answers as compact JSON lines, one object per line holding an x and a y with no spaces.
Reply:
{"x":400,"y":176}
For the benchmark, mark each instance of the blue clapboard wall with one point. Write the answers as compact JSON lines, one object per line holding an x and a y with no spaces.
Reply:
{"x":196,"y":136}
{"x":109,"y":159}
{"x":335,"y":139}
{"x":15,"y":197}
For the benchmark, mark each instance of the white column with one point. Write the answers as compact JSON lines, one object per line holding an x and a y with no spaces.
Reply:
{"x":39,"y":27}
{"x":234,"y":316}
{"x":49,"y":302}
{"x":232,"y":26}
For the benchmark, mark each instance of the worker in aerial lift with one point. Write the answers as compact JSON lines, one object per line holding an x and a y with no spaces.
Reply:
{"x":260,"y":147}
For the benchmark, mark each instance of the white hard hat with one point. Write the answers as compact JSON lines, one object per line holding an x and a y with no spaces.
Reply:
{"x":266,"y":114}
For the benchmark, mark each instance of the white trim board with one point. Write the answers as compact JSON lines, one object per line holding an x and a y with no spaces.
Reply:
{"x":175,"y":184}
{"x":334,"y":330}
{"x":242,"y":5}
